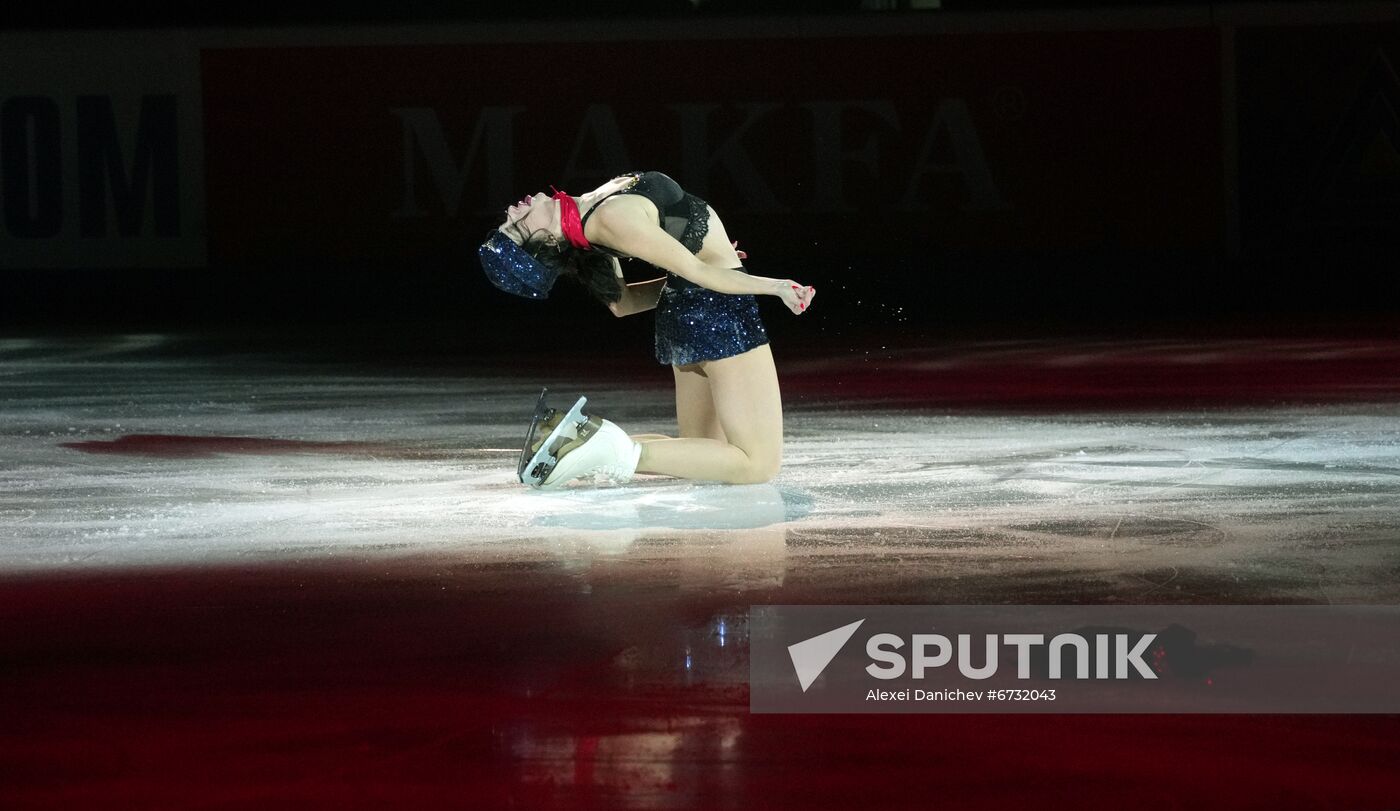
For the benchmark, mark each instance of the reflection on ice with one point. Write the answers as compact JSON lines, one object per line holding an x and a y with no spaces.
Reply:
{"x":669,"y":504}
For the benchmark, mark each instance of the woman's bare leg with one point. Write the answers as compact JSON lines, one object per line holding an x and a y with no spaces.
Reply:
{"x":695,"y":407}
{"x":695,"y":404}
{"x":748,"y":408}
{"x":639,"y":438}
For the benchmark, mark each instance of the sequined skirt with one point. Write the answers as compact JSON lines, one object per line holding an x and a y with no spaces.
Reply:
{"x":695,"y":324}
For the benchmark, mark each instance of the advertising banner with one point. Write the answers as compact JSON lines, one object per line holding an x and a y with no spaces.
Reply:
{"x":101,"y":153}
{"x":1002,"y":140}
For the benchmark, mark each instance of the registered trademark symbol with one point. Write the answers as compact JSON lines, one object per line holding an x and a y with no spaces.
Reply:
{"x":1009,"y":103}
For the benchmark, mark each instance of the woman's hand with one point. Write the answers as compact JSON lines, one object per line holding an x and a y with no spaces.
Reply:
{"x":797,"y":297}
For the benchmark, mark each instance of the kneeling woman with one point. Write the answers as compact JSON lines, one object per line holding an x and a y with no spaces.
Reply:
{"x":708,"y":330}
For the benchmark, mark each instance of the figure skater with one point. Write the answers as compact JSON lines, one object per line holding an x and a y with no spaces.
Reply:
{"x":708,"y":330}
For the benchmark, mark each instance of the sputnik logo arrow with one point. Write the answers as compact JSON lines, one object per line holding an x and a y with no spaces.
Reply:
{"x":811,"y":656}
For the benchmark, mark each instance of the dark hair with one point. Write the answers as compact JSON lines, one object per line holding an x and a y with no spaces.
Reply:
{"x":591,"y":269}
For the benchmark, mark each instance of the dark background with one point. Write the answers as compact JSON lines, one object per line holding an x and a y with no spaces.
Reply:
{"x":1315,"y":243}
{"x":146,"y":15}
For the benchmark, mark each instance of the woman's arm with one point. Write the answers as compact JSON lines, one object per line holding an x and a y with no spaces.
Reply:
{"x":639,"y":237}
{"x":638,"y":297}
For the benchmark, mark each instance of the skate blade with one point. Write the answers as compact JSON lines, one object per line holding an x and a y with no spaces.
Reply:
{"x":544,"y":455}
{"x":541,"y":412}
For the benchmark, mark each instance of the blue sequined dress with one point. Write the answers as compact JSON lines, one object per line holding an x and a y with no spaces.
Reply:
{"x":693,"y":323}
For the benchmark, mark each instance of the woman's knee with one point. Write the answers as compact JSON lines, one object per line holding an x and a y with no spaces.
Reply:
{"x":758,"y":468}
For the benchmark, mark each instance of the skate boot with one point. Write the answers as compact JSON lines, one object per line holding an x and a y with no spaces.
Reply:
{"x":574,"y":445}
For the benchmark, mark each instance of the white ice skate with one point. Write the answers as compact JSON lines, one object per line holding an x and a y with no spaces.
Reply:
{"x":577,"y":445}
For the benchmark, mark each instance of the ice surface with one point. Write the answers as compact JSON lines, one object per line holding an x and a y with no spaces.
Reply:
{"x":115,"y":454}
